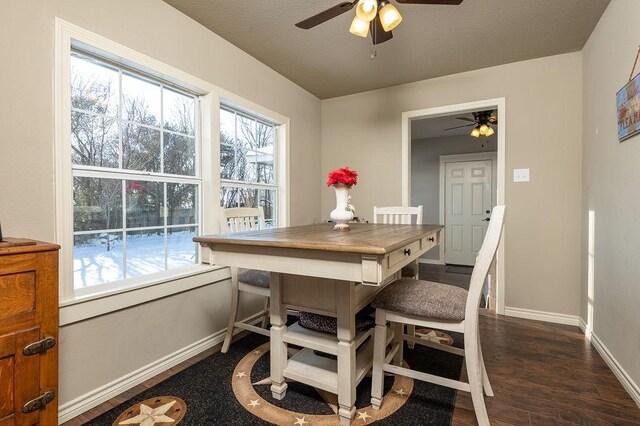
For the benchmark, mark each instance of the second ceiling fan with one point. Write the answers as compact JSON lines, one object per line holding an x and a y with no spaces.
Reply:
{"x":367,"y":11}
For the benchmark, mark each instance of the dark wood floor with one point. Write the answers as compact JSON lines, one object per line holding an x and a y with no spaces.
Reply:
{"x":541,"y":373}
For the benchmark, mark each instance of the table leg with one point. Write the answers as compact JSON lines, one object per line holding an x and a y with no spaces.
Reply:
{"x":278,"y":347}
{"x":346,"y":352}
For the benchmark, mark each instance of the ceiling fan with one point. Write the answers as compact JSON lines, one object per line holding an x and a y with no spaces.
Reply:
{"x":366,"y":11}
{"x":481,"y":121}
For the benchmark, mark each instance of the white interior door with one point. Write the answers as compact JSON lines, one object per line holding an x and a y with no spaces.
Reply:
{"x":468,"y":203}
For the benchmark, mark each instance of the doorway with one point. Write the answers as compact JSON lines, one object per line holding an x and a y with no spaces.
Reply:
{"x":476,"y":180}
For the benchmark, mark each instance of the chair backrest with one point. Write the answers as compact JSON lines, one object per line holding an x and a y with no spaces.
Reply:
{"x":241,"y":219}
{"x":483,"y":260}
{"x":397,"y":215}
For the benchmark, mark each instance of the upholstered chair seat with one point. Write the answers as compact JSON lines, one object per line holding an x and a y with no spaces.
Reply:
{"x":411,"y":270}
{"x":255,"y":278}
{"x":423,"y":299}
{"x":326,"y":324}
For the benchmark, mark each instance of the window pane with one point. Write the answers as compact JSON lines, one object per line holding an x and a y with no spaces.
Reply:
{"x":227,"y":127}
{"x":246,"y":165}
{"x":181,"y":250}
{"x":94,"y":86}
{"x":182,"y":203}
{"x":97,"y":204}
{"x":227,"y":162}
{"x":264,"y":161}
{"x":145,"y":252}
{"x":97,"y":259}
{"x":228,"y":197}
{"x":264,"y":135}
{"x":140,"y":148}
{"x":178,"y":112}
{"x":94,"y":140}
{"x":179,"y":154}
{"x":267,"y":200}
{"x":144,"y":204}
{"x":248,"y":197}
{"x":246,"y":131}
{"x":141,"y":100}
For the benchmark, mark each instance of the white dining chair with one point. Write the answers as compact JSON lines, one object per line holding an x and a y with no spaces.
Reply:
{"x":402,"y":216}
{"x":251,"y":281}
{"x":437,"y":306}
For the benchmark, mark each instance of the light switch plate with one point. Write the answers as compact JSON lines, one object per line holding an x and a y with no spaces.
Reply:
{"x":521,"y":175}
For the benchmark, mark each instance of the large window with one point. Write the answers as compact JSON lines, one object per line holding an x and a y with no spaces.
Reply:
{"x":248,"y":163}
{"x":136,"y":175}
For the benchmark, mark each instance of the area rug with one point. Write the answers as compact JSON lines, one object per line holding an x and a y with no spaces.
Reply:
{"x":234,"y":389}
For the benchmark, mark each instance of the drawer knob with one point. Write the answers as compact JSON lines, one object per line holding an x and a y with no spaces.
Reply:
{"x":38,"y":403}
{"x":39,"y":347}
{"x":431,"y":239}
{"x":407,"y":252}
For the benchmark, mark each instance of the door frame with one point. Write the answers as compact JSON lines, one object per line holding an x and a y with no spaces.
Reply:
{"x":457,"y":158}
{"x":500,"y":105}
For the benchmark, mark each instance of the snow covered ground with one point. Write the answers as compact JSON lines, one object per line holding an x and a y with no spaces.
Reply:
{"x":93,"y":264}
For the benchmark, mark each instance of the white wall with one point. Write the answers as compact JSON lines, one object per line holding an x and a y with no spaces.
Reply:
{"x":97,"y":351}
{"x":610,"y":189}
{"x":543,"y":132}
{"x":425,"y":172}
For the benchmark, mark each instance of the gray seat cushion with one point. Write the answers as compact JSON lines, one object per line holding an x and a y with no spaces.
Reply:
{"x":423,"y":299}
{"x":255,"y":278}
{"x":325,"y":324}
{"x":411,"y":270}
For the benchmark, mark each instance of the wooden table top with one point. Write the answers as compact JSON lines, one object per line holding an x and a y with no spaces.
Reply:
{"x":364,"y":238}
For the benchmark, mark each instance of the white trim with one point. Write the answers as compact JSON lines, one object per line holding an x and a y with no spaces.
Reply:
{"x":542,"y":316}
{"x":625,"y":379}
{"x":100,"y":304}
{"x":430,"y":261}
{"x":68,"y":34}
{"x":104,"y":393}
{"x":452,"y":158}
{"x":500,"y":105}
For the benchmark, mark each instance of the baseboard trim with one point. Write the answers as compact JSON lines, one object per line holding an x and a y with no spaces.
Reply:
{"x":542,"y":316}
{"x":97,"y":396}
{"x":430,"y":261}
{"x":627,"y":382}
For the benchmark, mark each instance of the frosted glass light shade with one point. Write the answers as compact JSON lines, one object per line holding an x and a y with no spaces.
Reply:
{"x":489,"y":132}
{"x":367,"y":10}
{"x":359,"y":27}
{"x":475,"y":132}
{"x":483,"y":129}
{"x":389,"y":17}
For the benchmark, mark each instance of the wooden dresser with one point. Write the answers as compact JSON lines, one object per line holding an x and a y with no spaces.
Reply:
{"x":28,"y":332}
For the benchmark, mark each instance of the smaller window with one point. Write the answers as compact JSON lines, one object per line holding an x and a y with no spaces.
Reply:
{"x":248,"y":163}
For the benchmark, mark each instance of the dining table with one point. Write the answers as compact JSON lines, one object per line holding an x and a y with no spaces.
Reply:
{"x":335,"y":273}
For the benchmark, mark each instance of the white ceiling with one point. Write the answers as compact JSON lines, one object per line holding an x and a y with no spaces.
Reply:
{"x":434,"y":127}
{"x":431,"y":41}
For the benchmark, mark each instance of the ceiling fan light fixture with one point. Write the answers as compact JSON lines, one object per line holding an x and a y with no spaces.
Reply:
{"x":366,"y":10}
{"x":389,"y":16}
{"x":489,"y":132}
{"x":475,"y":132}
{"x":359,"y":27}
{"x":484,"y":129}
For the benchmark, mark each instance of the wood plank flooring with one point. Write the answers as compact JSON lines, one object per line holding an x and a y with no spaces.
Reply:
{"x":541,"y":373}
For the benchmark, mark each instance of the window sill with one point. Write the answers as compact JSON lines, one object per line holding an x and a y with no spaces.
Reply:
{"x":76,"y":310}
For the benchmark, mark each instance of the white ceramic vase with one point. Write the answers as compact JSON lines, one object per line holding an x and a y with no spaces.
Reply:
{"x":341,"y":215}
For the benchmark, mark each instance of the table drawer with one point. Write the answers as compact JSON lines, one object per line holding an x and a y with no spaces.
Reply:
{"x":403,"y":253}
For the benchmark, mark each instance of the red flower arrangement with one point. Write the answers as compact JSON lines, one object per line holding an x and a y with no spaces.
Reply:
{"x":343,"y":176}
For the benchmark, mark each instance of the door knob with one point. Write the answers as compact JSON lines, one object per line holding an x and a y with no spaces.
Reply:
{"x":487,"y":219}
{"x":488,"y":211}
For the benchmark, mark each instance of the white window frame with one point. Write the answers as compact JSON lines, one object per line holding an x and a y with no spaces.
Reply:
{"x":145,"y":289}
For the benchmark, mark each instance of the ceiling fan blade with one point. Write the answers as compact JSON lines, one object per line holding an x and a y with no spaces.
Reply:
{"x":451,"y":2}
{"x":459,"y":127}
{"x":324,"y":16}
{"x":378,"y":34}
{"x":466,"y":119}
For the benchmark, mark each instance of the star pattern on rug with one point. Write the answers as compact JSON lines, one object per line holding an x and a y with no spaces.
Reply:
{"x":257,"y":352}
{"x":363,"y":415}
{"x":301,"y":421}
{"x":432,"y":336}
{"x":241,"y":374}
{"x":400,"y":392}
{"x":253,"y":403}
{"x":150,"y":416}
